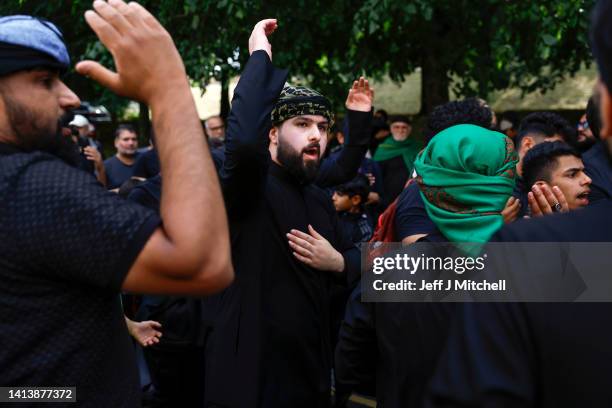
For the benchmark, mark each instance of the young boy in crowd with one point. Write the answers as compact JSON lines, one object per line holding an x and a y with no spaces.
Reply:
{"x":349,"y":200}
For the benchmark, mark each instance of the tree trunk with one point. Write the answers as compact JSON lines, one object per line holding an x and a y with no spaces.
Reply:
{"x":225,"y":102}
{"x":144,"y":124}
{"x":434,"y":84}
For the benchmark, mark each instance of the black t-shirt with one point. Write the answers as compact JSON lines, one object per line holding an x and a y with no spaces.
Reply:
{"x":67,"y":245}
{"x":411,"y":217}
{"x":117,"y":172}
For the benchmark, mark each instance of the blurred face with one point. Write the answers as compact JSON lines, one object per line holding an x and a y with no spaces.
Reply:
{"x":400,"y":130}
{"x":298,"y":144}
{"x":570,"y":177}
{"x":31,"y":106}
{"x":342,"y":202}
{"x":126,"y":143}
{"x":584,"y":132}
{"x":215,"y":128}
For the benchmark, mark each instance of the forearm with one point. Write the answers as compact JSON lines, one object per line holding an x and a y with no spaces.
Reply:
{"x":191,"y":206}
{"x":347,"y":164}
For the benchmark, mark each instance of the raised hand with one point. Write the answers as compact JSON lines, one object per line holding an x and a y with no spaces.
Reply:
{"x":360,"y":96}
{"x":544,"y":201}
{"x":259,"y":36}
{"x":147,"y":61}
{"x":315,"y":251}
{"x":511,"y":210}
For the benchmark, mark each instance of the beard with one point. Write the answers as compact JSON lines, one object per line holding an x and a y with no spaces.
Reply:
{"x":32,"y":135}
{"x":294,"y":163}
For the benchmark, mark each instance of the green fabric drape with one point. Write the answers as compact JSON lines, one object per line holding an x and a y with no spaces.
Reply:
{"x":466,"y":175}
{"x":391,"y":148}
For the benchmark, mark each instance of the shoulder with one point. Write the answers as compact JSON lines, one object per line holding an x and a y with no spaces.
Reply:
{"x":592,"y":224}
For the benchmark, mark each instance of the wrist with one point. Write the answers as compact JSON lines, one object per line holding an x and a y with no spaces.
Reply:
{"x":339,"y":263}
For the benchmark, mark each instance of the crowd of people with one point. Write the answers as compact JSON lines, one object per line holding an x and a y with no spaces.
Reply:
{"x":230,"y":250}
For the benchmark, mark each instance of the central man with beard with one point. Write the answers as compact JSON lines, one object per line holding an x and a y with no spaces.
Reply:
{"x":270,"y":343}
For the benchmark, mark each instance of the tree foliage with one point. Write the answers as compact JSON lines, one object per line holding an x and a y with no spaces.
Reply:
{"x":474,"y":46}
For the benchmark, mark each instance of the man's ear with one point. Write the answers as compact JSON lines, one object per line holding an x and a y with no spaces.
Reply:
{"x":273,"y":135}
{"x":605,"y":111}
{"x":355,"y":200}
{"x":526,"y":144}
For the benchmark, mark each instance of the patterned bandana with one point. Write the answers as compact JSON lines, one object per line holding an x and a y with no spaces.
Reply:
{"x":298,"y":100}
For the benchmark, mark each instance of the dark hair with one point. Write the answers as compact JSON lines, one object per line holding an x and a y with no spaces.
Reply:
{"x":541,"y":160}
{"x":400,"y":118}
{"x":360,"y":186}
{"x":546,"y":125}
{"x":469,"y":111}
{"x":125,"y":127}
{"x":383,"y":113}
{"x":601,"y":40}
{"x":592,"y":115}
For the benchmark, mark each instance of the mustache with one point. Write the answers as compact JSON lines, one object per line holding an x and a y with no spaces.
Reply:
{"x":312,"y":145}
{"x":65,"y":119}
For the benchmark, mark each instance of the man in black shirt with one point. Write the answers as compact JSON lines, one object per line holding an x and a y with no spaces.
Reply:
{"x":68,"y":247}
{"x":271,"y":341}
{"x":539,"y":354}
{"x":120,"y":167}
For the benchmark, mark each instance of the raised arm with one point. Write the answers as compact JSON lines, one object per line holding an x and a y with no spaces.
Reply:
{"x":343,"y":168}
{"x":190,"y":253}
{"x":246,"y":145}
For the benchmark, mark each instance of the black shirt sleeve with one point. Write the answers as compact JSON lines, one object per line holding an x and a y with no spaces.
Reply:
{"x":342,"y":168}
{"x":247,"y":158}
{"x":68,"y":227}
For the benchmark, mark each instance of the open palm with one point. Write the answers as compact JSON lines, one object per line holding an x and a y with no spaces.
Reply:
{"x":360,"y":96}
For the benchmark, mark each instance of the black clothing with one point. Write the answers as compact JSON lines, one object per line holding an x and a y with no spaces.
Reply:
{"x":411,"y":217}
{"x":597,"y":166}
{"x":393,"y":345}
{"x":67,"y":245}
{"x":176,"y":363}
{"x":117,"y":172}
{"x":394,"y":175}
{"x":147,"y":164}
{"x":357,"y":226}
{"x":533,"y":354}
{"x":270,"y":343}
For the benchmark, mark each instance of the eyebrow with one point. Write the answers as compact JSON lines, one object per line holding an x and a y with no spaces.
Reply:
{"x":323,"y":122}
{"x":572,"y":169}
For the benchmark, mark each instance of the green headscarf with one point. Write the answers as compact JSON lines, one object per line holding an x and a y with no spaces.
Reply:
{"x":466,"y":174}
{"x":391,"y":148}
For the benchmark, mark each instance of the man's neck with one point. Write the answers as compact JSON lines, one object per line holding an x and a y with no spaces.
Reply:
{"x":127,"y":160}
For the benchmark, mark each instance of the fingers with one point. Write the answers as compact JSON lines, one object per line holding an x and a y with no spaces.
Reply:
{"x":300,"y":249}
{"x":533,"y":205}
{"x":302,"y":235}
{"x":560,"y":198}
{"x":303,"y":259}
{"x":314,"y":233}
{"x":541,"y":199}
{"x":111,"y":14}
{"x":105,"y":32}
{"x":100,"y":74}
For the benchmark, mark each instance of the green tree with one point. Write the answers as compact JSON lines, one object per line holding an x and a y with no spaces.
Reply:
{"x":474,"y":46}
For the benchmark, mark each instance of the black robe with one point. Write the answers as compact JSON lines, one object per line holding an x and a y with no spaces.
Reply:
{"x":270,"y":345}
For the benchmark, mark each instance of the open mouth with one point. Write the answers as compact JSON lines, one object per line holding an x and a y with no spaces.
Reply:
{"x":312,"y":152}
{"x":583,"y":197}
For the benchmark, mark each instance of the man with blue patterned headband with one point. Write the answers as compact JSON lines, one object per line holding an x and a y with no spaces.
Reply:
{"x":68,"y":246}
